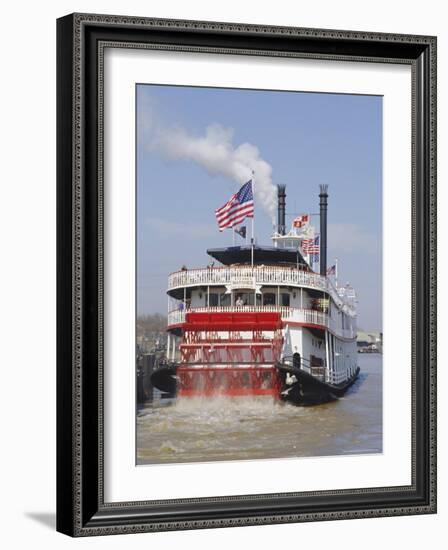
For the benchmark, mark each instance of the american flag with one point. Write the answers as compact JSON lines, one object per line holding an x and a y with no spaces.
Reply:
{"x":301,"y":221}
{"x":240,"y":206}
{"x":311,"y":246}
{"x":331,"y":270}
{"x":305,"y":244}
{"x":314,"y":249}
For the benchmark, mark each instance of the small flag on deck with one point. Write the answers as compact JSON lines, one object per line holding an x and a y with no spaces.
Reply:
{"x":315,"y":246}
{"x":241,"y":231}
{"x":312,"y":248}
{"x":237,"y":208}
{"x":305,"y":244}
{"x":315,"y":249}
{"x":301,"y":221}
{"x":331,"y":270}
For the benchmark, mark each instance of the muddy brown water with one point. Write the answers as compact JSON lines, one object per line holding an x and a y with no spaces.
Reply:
{"x":204,"y":430}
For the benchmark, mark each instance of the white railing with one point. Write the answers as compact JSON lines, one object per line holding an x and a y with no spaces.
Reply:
{"x":330,"y":376}
{"x":336,"y":377}
{"x":307,"y":316}
{"x":258,"y":275}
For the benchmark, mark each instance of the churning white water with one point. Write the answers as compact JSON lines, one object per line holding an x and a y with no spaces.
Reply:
{"x":203,"y":429}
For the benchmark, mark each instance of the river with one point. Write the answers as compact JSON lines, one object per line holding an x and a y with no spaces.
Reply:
{"x":203,"y":430}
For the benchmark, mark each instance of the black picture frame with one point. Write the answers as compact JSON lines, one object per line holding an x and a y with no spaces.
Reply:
{"x":81,"y":510}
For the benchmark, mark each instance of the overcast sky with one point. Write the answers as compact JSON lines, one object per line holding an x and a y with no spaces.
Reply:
{"x":194,"y":146}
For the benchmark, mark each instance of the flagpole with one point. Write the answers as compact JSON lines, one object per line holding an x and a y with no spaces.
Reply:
{"x":252,"y":224}
{"x":252,"y":242}
{"x":336,"y":272}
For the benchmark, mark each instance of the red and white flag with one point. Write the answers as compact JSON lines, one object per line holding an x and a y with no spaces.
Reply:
{"x":301,"y":221}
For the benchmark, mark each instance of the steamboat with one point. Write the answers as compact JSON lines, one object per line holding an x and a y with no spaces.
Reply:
{"x":259,"y":320}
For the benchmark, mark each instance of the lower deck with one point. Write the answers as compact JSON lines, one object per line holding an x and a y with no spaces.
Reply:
{"x":237,"y":353}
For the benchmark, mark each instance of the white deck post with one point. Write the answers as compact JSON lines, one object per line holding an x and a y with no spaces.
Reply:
{"x":327,"y":354}
{"x":173,"y":351}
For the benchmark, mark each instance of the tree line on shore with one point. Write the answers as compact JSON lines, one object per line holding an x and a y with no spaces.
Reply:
{"x":155,"y":322}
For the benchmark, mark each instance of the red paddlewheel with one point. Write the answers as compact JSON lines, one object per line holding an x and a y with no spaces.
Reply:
{"x":232,"y":354}
{"x":209,"y":381}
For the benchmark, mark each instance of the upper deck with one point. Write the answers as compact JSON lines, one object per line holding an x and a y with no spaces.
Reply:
{"x":245,"y":276}
{"x":259,"y":255}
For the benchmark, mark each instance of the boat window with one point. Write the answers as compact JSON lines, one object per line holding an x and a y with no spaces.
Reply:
{"x":246,"y":299}
{"x":224,"y":299}
{"x":213,"y":300}
{"x":285,"y":299}
{"x":269,"y":299}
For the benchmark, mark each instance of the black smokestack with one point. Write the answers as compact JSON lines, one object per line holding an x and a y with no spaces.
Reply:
{"x":323,"y":195}
{"x":281,"y":194}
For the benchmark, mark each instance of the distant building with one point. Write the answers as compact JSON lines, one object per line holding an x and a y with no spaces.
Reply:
{"x":370,"y":341}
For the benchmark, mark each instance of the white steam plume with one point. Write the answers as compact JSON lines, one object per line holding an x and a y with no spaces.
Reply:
{"x":215,"y":152}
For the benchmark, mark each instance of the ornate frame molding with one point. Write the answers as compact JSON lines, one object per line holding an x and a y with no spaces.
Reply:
{"x":81,"y":42}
